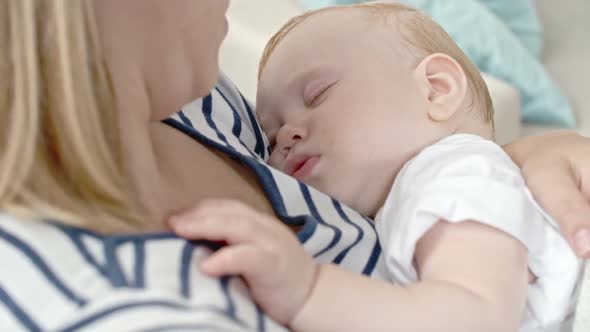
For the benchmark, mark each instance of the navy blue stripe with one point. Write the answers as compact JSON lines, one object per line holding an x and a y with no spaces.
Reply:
{"x":207,"y":108}
{"x":185,"y":119}
{"x":237,"y":127}
{"x":19,"y":313}
{"x":260,"y":321}
{"x":259,"y":149}
{"x":271,"y":189}
{"x":185,"y":268}
{"x":309,"y":223}
{"x":359,"y":231}
{"x":269,"y":185}
{"x":42,"y":266}
{"x":76,"y":238}
{"x":139,"y":305}
{"x":139,"y":264}
{"x":114,"y":269}
{"x":375,"y":253}
{"x":314,"y":212}
{"x":186,"y":264}
{"x":231,"y":306}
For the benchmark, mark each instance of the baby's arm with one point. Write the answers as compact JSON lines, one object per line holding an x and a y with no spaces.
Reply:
{"x":472,"y":278}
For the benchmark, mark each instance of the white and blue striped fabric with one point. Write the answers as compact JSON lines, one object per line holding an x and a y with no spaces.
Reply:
{"x":60,"y":278}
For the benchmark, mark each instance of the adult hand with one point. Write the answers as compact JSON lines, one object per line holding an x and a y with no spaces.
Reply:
{"x":279,"y":273}
{"x":556,"y":167}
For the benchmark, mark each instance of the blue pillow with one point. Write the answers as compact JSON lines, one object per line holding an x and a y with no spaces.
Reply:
{"x":503,"y":38}
{"x":522,"y":19}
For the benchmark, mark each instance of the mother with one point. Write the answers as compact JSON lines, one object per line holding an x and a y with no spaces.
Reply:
{"x":90,"y":169}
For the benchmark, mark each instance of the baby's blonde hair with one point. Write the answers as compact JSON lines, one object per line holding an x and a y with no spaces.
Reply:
{"x":422,"y":33}
{"x":61,"y":157}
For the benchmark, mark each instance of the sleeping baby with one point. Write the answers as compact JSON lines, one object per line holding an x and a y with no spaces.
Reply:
{"x":375,"y":105}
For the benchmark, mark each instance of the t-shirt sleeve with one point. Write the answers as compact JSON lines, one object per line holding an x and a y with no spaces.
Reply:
{"x":469,"y":179}
{"x":456,"y":183}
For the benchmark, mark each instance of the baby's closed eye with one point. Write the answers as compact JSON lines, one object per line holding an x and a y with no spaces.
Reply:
{"x":314,"y":92}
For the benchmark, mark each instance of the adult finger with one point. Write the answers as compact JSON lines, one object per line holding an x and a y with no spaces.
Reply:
{"x":559,"y":192}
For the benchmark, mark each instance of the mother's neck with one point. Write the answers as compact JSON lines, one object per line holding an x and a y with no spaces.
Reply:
{"x":151,"y":72}
{"x":136,"y":108}
{"x":152,"y":80}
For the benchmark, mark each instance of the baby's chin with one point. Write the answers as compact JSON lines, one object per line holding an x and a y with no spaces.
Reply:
{"x":353,"y":201}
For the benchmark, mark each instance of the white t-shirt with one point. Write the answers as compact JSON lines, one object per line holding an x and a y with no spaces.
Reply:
{"x":465,"y":177}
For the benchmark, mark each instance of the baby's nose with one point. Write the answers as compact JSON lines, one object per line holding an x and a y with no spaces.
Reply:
{"x":288,"y":136}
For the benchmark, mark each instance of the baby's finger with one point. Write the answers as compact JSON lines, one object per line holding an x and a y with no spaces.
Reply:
{"x":244,"y":259}
{"x":215,"y":206}
{"x":231,"y":228}
{"x":562,"y":197}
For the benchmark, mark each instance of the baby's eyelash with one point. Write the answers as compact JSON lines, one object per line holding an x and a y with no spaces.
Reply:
{"x":315,"y":98}
{"x":321,"y":92}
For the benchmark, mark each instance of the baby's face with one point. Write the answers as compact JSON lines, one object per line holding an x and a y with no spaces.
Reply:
{"x":340,"y":109}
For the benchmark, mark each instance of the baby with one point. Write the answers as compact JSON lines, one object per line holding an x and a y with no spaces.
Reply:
{"x":375,"y":105}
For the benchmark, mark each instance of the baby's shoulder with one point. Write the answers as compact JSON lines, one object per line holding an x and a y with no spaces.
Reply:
{"x":462,"y":155}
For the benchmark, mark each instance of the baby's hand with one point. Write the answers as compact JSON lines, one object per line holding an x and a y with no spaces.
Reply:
{"x":279,"y":273}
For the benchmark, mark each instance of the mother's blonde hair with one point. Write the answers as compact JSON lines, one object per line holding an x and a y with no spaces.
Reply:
{"x":61,"y":157}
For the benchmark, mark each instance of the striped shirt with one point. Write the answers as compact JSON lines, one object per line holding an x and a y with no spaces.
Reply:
{"x":61,"y":278}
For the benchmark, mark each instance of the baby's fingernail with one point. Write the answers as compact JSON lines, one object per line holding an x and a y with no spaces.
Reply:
{"x":582,"y":241}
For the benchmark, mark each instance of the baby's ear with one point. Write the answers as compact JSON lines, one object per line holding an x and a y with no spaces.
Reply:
{"x":444,"y":84}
